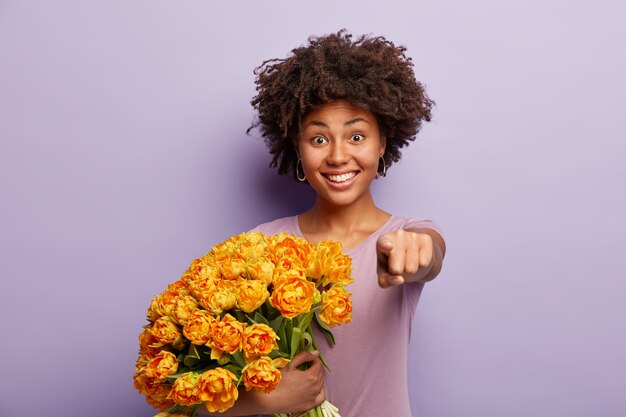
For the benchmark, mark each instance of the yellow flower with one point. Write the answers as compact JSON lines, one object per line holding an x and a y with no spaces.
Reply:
{"x":184,"y":391}
{"x":161,"y":366}
{"x":336,"y":306}
{"x":166,"y":332}
{"x":216,"y":387}
{"x":226,"y":336}
{"x":259,"y":340}
{"x":293,"y":294}
{"x":166,"y":414}
{"x":185,"y":306}
{"x":328,"y":260}
{"x":252,"y":246}
{"x":199,"y":327}
{"x":263,"y":374}
{"x":251,"y":294}
{"x":261,"y":269}
{"x":220,"y":297}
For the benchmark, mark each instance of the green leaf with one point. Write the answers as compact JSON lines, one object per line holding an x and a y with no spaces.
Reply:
{"x":306,"y":342}
{"x":234,"y":368}
{"x":190,"y":361}
{"x":276,"y":323}
{"x":325,"y":330}
{"x":194,"y":409}
{"x":260,"y":319}
{"x":305,"y":321}
{"x":237,"y":357}
{"x":178,"y":409}
{"x":282,"y":335}
{"x":278,"y":354}
{"x":296,"y":336}
{"x":193,"y":351}
{"x":314,"y":344}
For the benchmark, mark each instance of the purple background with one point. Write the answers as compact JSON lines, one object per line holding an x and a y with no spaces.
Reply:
{"x":123,"y":156}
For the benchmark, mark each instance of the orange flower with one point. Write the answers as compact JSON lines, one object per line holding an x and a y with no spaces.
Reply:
{"x":184,"y":391}
{"x":198,"y":328}
{"x":293,"y":294}
{"x":328,"y":260}
{"x":185,"y":306}
{"x":165,"y":303}
{"x":153,"y":311}
{"x":227,"y":335}
{"x":251,"y":294}
{"x":161,"y":366}
{"x":202,"y":286}
{"x":166,"y":331}
{"x":216,"y":387}
{"x":142,"y":383}
{"x":232,"y":268}
{"x":336,"y":306}
{"x":147,"y":341}
{"x":259,"y":340}
{"x":294,"y":249}
{"x":261,"y":269}
{"x":201,"y":269}
{"x":159,"y":398}
{"x":263,"y":374}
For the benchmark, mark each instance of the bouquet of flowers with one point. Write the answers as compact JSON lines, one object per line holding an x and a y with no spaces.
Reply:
{"x":237,"y":316}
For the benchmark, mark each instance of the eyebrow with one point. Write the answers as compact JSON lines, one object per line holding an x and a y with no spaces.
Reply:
{"x":348,"y":123}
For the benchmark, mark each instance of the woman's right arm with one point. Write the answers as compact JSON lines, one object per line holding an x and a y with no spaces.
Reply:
{"x":297,"y":391}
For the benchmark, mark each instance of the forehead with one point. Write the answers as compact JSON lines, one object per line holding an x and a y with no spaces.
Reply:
{"x":339,"y":111}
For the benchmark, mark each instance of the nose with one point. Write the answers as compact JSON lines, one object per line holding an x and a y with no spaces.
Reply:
{"x":338,"y":154}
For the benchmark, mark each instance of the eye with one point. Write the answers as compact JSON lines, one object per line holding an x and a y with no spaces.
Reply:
{"x":357,"y":137}
{"x":318,"y":140}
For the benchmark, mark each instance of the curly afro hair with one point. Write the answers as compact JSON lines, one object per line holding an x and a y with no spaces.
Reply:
{"x":370,"y":72}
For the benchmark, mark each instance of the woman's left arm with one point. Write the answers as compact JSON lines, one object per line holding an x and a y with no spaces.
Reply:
{"x":408,"y":256}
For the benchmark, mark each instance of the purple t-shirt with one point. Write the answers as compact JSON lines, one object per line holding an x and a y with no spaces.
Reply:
{"x":368,"y":364}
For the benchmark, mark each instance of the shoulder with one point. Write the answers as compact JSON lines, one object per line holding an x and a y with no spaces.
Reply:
{"x":284,"y":224}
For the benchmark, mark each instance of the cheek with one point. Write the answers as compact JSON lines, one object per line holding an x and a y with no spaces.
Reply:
{"x":310,"y":160}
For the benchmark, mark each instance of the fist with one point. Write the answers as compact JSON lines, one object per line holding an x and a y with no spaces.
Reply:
{"x":403,"y":256}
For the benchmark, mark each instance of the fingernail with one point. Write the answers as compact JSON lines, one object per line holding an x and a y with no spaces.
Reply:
{"x":315,"y":352}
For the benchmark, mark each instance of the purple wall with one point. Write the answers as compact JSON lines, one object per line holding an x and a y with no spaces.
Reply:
{"x":123,"y":156}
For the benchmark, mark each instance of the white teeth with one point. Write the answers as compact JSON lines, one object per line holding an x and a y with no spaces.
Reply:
{"x":342,"y":177}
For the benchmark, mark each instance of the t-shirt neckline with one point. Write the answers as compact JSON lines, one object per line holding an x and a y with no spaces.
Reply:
{"x":351,"y":252}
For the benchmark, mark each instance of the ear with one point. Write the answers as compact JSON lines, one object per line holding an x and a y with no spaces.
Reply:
{"x":383,"y":144}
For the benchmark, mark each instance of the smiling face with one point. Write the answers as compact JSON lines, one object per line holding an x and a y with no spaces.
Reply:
{"x":340,"y":145}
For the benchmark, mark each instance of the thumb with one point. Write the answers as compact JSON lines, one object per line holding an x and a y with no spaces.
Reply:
{"x":304,"y":357}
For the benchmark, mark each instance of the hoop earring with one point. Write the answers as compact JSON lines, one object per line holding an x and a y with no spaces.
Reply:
{"x":384,"y":170}
{"x":303,"y":177}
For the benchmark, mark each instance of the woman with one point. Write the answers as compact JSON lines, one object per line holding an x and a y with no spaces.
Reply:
{"x":335,"y":113}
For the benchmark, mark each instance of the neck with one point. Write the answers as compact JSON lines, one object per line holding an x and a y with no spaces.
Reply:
{"x":326,"y":216}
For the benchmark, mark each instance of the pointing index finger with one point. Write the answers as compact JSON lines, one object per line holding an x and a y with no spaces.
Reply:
{"x":384,"y":245}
